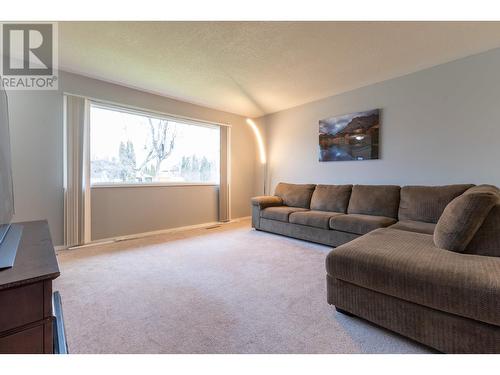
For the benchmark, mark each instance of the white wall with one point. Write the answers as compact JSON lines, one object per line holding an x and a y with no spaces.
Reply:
{"x":128,"y":210}
{"x":36,"y":120}
{"x":439,"y":126}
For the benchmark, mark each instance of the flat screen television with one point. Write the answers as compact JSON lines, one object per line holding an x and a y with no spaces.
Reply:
{"x":9,"y":234}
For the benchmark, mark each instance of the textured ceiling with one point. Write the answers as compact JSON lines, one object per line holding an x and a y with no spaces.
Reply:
{"x":256,"y":68}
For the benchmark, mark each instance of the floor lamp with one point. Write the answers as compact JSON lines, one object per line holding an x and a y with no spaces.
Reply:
{"x":262,"y":150}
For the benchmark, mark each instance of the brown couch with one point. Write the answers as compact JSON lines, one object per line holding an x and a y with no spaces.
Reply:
{"x":423,"y":261}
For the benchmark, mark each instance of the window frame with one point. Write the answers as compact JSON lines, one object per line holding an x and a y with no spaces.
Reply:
{"x":103,"y":185}
{"x":158,"y":115}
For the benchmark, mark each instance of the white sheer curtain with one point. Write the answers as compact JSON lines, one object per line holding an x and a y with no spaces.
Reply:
{"x":76,"y":173}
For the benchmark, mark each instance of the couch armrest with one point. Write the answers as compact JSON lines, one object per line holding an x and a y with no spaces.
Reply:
{"x":264,"y":201}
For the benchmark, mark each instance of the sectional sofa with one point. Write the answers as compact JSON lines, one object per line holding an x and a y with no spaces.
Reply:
{"x":423,"y":261}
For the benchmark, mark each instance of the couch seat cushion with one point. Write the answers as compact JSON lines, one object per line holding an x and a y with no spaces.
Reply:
{"x":359,"y":224}
{"x":318,"y":219}
{"x":407,"y":265}
{"x":414,"y":226}
{"x":280,"y":213}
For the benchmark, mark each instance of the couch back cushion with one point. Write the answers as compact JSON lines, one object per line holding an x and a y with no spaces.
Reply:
{"x":486,"y":241}
{"x":333,"y":198}
{"x":294,"y":195}
{"x":427,"y":203}
{"x":378,"y":200}
{"x":462,"y":218}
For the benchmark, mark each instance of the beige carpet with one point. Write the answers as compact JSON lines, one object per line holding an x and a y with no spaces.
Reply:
{"x":224,"y":290}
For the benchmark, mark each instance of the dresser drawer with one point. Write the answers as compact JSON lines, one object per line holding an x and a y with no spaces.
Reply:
{"x":36,"y":338}
{"x":21,"y":305}
{"x":30,"y":341}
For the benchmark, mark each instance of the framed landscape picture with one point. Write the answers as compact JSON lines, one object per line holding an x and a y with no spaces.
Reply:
{"x":350,"y":137}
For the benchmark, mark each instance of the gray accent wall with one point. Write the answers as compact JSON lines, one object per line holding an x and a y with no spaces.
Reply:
{"x":439,"y":126}
{"x":36,"y":119}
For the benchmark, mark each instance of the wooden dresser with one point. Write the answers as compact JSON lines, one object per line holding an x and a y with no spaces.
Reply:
{"x":26,"y":316}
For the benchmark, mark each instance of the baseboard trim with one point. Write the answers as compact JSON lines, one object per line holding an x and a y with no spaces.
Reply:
{"x":151,"y":233}
{"x":238,"y":219}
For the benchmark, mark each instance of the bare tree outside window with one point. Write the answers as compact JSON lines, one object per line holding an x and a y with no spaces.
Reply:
{"x":160,"y":144}
{"x":134,"y":148}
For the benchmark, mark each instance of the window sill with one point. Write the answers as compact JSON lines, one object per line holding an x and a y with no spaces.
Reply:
{"x":159,"y":184}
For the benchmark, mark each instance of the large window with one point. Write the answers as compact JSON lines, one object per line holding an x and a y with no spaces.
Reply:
{"x":129,"y":147}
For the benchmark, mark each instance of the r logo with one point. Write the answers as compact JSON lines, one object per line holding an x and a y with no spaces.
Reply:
{"x":27,"y":49}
